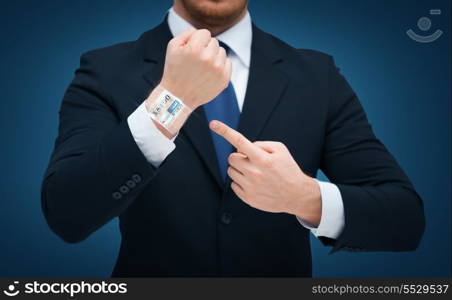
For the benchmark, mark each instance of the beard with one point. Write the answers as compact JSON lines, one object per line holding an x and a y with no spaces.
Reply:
{"x":215,"y":12}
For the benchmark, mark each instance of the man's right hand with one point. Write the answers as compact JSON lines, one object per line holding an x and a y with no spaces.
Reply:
{"x":196,"y":69}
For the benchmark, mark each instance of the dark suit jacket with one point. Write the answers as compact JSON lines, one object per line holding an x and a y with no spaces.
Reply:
{"x":179,"y":219}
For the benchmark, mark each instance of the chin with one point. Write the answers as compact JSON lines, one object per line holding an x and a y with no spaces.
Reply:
{"x":215,"y":12}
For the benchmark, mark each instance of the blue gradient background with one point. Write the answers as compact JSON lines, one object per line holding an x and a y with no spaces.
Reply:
{"x":403,"y":85}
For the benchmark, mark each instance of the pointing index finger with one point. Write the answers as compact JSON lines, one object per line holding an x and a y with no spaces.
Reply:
{"x":235,"y":138}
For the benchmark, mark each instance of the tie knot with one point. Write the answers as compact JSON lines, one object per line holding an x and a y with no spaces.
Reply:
{"x":226,"y":47}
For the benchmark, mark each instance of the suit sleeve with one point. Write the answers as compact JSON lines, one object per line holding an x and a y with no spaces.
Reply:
{"x":382,"y":210}
{"x":96,"y":169}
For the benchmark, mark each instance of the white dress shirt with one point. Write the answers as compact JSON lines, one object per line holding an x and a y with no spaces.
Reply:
{"x":156,"y":147}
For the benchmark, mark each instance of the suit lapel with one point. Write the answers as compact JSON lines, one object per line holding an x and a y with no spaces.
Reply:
{"x":154,"y":44}
{"x":266,"y":84}
{"x":197,"y":130}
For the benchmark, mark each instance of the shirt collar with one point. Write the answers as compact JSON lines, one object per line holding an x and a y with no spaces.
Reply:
{"x":238,"y":37}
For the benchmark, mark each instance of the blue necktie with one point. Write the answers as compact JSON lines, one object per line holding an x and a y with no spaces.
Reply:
{"x":223,"y":108}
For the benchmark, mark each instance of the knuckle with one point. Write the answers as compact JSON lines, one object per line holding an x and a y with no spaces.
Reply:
{"x":227,"y":74}
{"x":218,"y":67}
{"x":255,"y":173}
{"x":227,"y":71}
{"x":281,"y":145}
{"x":223,"y":131}
{"x":171,"y":43}
{"x":215,"y":42}
{"x":192,"y":50}
{"x":205,"y":58}
{"x":204,"y":32}
{"x":265,"y":160}
{"x":239,"y":141}
{"x":224,"y":82}
{"x":259,"y":159}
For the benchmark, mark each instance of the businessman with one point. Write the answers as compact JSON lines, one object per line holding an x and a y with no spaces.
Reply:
{"x":204,"y":137}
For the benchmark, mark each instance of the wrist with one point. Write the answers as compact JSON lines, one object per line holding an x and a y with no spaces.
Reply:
{"x":308,"y":202}
{"x":153,"y":96}
{"x":185,"y":95}
{"x":167,"y":111}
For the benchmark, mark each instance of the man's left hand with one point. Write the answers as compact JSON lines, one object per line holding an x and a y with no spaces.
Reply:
{"x":265,"y":176}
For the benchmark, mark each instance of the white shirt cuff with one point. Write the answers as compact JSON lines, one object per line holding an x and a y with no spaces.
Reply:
{"x":332,"y":220}
{"x":153,"y":144}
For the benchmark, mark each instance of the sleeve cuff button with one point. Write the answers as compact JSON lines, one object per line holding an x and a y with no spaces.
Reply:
{"x":136,"y":178}
{"x":116,"y":195}
{"x":123,"y":189}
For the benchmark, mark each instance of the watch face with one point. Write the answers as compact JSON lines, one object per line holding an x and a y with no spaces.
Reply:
{"x":166,"y":109}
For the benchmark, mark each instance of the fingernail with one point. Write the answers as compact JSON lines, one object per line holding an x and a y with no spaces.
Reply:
{"x":214,"y":125}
